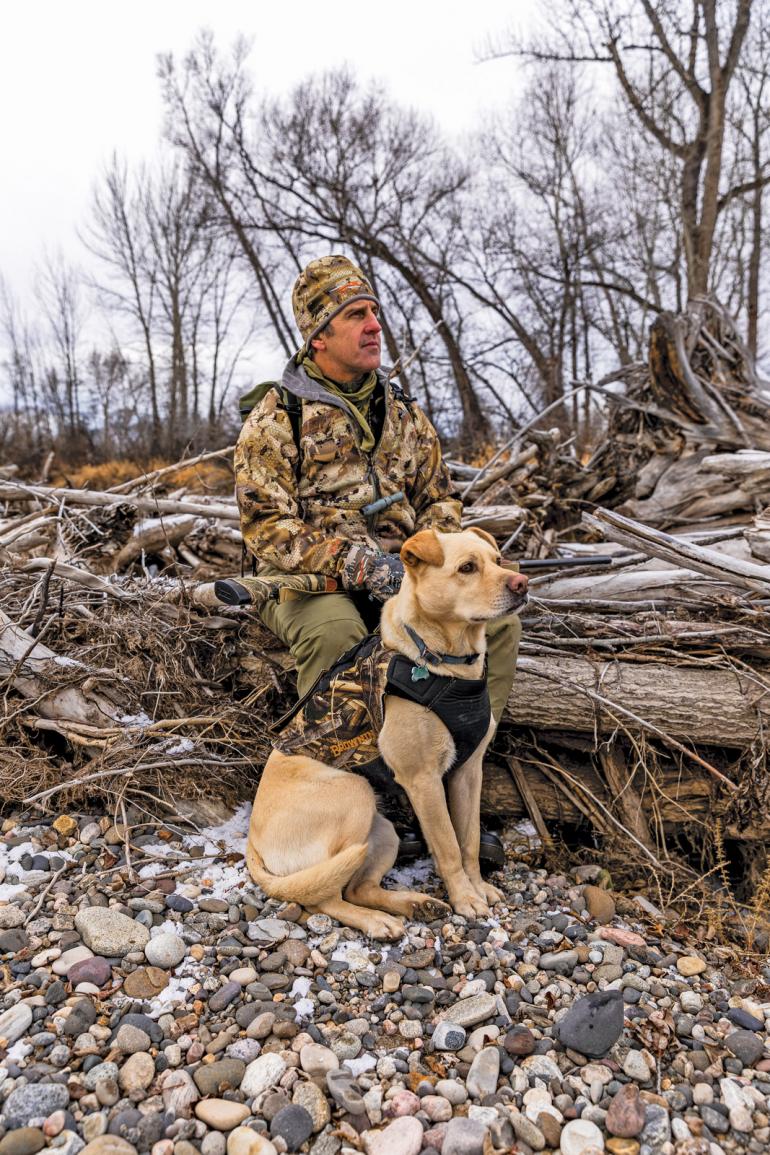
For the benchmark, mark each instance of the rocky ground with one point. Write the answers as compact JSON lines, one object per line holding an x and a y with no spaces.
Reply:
{"x":153,"y":1001}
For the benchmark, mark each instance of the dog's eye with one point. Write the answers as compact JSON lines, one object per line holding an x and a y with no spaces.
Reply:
{"x":467,"y":567}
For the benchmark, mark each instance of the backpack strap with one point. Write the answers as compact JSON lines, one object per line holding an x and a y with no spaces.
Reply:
{"x":293,"y":407}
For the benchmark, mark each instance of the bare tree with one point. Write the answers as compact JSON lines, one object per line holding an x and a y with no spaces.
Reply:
{"x":675,"y":63}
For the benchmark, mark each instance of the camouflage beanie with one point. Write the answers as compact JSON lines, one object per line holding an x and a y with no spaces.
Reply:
{"x":325,"y":287}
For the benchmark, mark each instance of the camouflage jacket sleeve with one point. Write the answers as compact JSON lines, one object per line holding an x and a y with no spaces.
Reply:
{"x":266,"y":489}
{"x":433,"y":494}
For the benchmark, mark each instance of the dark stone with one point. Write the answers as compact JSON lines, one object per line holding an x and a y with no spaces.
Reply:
{"x":12,"y":941}
{"x":294,"y":1124}
{"x":125,"y":1123}
{"x":55,"y":993}
{"x":593,"y":1024}
{"x":519,"y":1041}
{"x":746,"y":1046}
{"x":715,"y":1121}
{"x":224,"y":996}
{"x":744,"y":1020}
{"x":80,"y":1018}
{"x":179,"y":903}
{"x":94,"y":970}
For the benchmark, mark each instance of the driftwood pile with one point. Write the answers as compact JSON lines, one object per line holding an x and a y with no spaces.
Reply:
{"x":641,"y":699}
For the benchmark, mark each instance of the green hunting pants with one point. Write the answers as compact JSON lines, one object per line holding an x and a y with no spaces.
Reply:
{"x":318,"y":628}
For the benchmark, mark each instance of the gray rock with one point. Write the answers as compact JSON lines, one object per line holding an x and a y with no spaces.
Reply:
{"x":714,"y":1120}
{"x":11,"y":917}
{"x":108,"y":932}
{"x":746,"y":1046}
{"x":12,"y":941}
{"x":34,"y":1101}
{"x":130,"y":1039}
{"x":345,"y":1090}
{"x":165,"y":950}
{"x":214,"y":1078}
{"x":294,"y":1125}
{"x":593,"y":1024}
{"x":468,"y":1012}
{"x":464,"y":1137}
{"x":224,"y":996}
{"x":100,"y":1071}
{"x":657,"y":1128}
{"x":484,"y":1072}
{"x":560,"y":962}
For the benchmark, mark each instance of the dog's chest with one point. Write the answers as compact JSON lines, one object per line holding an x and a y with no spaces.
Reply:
{"x":339,"y":721}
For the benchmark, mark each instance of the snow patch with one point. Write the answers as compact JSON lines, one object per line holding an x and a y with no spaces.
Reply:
{"x":140,"y":720}
{"x":304,"y":1008}
{"x":412,"y":876}
{"x":184,"y":746}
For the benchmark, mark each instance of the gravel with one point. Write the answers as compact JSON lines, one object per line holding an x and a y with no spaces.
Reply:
{"x":165,"y":1006}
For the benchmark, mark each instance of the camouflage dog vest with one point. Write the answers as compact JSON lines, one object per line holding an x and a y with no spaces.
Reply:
{"x":340,"y":717}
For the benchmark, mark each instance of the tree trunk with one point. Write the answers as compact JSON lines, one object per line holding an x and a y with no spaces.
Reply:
{"x":690,"y":704}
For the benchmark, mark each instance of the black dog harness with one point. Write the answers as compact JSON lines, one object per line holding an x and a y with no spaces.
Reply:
{"x":339,"y":719}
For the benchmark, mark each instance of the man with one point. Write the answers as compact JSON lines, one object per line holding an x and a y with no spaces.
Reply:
{"x":334,"y":436}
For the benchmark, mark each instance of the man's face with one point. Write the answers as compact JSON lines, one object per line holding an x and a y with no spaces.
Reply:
{"x":350,"y":344}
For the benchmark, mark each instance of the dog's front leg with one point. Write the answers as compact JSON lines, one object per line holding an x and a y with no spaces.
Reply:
{"x":464,"y":790}
{"x":426,"y":794}
{"x":418,"y":748}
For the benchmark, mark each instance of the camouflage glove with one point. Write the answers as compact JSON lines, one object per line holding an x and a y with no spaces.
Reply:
{"x":380,"y":573}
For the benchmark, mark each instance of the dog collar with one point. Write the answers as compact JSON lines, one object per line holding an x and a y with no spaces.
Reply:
{"x":426,"y":655}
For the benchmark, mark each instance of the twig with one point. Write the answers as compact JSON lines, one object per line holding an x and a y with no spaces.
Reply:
{"x":45,"y":890}
{"x":169,"y":763}
{"x":518,"y":435}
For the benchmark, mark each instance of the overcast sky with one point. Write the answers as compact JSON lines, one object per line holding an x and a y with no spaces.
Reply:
{"x":77,"y":81}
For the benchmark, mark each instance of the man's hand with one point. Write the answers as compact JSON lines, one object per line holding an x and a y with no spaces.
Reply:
{"x":379,"y":573}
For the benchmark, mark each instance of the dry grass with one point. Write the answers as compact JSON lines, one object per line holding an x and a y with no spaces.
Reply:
{"x":214,"y":477}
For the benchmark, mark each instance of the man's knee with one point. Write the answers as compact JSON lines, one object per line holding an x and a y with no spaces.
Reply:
{"x":502,"y":649}
{"x":319,"y":645}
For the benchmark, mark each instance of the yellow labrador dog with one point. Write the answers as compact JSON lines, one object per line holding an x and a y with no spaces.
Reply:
{"x":316,"y":836}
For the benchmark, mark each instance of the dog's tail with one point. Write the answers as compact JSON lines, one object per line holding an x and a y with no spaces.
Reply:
{"x":315,"y":884}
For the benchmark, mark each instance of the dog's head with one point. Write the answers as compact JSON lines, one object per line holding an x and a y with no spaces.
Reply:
{"x":459,"y":576}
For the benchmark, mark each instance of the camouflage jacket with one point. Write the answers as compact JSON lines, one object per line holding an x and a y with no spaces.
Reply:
{"x":302,"y":514}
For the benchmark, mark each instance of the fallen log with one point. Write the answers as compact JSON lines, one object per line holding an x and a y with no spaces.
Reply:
{"x":227,"y":511}
{"x":35,"y":672}
{"x":689,"y":703}
{"x":677,"y":551}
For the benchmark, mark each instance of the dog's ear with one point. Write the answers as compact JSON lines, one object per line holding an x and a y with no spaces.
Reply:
{"x":423,"y":547}
{"x":483,"y":533}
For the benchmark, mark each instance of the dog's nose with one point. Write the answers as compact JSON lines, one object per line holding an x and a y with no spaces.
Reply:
{"x":517,"y":582}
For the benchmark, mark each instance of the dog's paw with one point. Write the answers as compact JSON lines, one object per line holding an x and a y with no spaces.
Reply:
{"x":490,"y":893}
{"x":470,"y":905}
{"x":425,"y":908}
{"x":381,"y":925}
